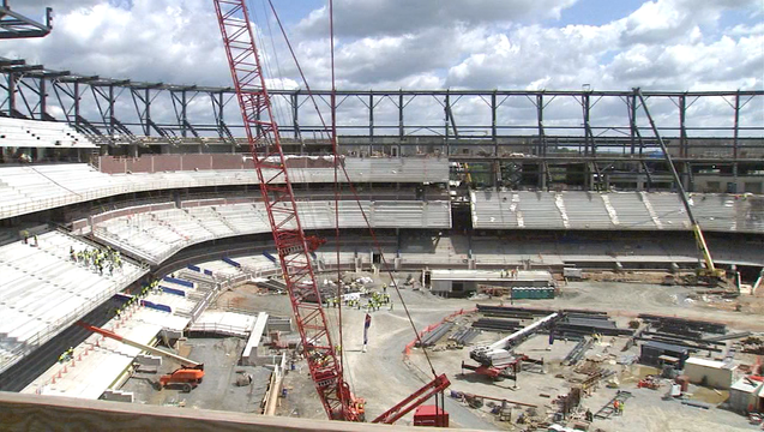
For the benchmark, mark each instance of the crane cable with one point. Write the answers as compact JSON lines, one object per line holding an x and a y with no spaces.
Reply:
{"x":352,"y":188}
{"x":337,"y":187}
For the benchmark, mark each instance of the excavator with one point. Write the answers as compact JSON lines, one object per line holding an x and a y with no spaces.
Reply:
{"x":188,"y":376}
{"x":294,"y":248}
{"x":708,"y":273}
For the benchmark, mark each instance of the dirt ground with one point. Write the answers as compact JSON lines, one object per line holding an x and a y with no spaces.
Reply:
{"x":384,"y":377}
{"x":217,"y":390}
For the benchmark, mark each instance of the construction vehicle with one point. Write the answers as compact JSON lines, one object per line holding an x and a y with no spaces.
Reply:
{"x":188,"y":376}
{"x":499,"y":354}
{"x":507,"y":370}
{"x":708,"y":273}
{"x":499,"y":361}
{"x":293,"y":247}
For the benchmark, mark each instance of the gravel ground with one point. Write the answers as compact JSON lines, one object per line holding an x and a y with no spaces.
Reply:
{"x":383,"y":377}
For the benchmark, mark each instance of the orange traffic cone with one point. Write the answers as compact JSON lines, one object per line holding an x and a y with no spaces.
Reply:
{"x":79,"y":357}
{"x":64,"y":368}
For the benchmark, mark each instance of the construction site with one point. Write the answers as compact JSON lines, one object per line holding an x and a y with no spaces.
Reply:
{"x":227,"y":269}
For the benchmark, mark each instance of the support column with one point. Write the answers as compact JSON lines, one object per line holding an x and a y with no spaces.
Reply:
{"x":371,"y":122}
{"x":110,"y":128}
{"x":43,"y":99}
{"x":683,"y":144}
{"x":632,"y":106}
{"x":541,"y":148}
{"x":184,"y":118}
{"x":494,"y":130}
{"x":401,"y":132}
{"x":736,"y":141}
{"x":147,"y":111}
{"x":295,"y":115}
{"x":588,"y":142}
{"x":446,"y":124}
{"x":11,"y":93}
{"x":76,"y":102}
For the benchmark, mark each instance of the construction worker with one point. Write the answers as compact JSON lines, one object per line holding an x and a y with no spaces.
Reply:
{"x":35,"y":241}
{"x":620,"y":408}
{"x":616,"y":407}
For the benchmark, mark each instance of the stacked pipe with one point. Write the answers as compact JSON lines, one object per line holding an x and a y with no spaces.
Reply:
{"x":437,"y":334}
{"x":464,"y":336}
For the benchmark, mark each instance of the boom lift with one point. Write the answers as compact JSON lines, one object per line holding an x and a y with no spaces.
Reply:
{"x":708,"y":274}
{"x":294,"y":248}
{"x":189,"y":375}
{"x":497,"y":357}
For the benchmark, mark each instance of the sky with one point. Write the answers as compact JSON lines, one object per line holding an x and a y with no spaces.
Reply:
{"x":422,"y":44}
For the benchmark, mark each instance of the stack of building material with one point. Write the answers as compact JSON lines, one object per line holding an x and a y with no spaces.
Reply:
{"x":579,"y":326}
{"x":435,"y":335}
{"x":464,"y":335}
{"x":512,"y":311}
{"x":578,"y":352}
{"x":492,"y":324}
{"x":686,"y":324}
{"x":690,"y":334}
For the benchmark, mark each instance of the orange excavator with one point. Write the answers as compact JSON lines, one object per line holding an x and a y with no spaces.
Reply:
{"x":188,"y":376}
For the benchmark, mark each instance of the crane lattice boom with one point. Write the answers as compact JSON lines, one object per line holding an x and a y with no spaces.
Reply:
{"x":294,"y":249}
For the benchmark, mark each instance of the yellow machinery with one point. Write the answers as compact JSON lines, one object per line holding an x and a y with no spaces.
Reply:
{"x":708,"y":274}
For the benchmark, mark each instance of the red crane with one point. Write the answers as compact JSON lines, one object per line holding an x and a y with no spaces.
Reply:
{"x":292,"y":245}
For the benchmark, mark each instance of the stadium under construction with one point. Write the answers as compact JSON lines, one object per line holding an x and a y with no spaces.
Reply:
{"x":180,"y":256}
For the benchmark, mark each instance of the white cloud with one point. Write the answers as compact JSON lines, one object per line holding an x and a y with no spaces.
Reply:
{"x":155,"y":40}
{"x":358,"y":18}
{"x":423,"y":44}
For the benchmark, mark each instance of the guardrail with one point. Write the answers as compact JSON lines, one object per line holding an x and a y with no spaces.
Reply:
{"x":218,"y":328}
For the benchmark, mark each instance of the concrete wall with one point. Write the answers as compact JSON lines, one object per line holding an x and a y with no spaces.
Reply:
{"x":23,"y":412}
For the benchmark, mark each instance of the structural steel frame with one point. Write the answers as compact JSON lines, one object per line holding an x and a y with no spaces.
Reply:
{"x":13,"y":25}
{"x":120,"y":111}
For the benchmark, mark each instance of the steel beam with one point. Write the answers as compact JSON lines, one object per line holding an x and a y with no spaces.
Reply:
{"x":13,"y":25}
